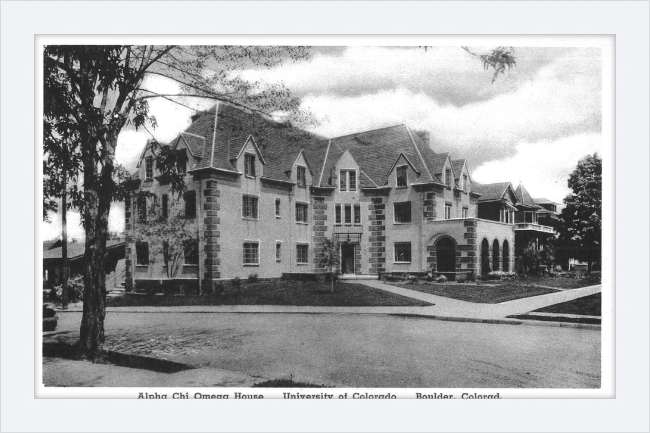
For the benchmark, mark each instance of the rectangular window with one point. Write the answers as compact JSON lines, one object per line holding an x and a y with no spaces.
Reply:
{"x":357,"y":214}
{"x":251,"y":253}
{"x":347,"y":180}
{"x":190,"y":204}
{"x":464,"y":186}
{"x":402,"y":212}
{"x":464,"y":212}
{"x":191,"y":252}
{"x":348,"y":214}
{"x":448,"y":178}
{"x":302,"y":210}
{"x":352,"y":175}
{"x":302,"y":176}
{"x":277,"y":208}
{"x":142,"y":253}
{"x":181,"y":161}
{"x":278,"y":251}
{"x":249,"y":164}
{"x":402,"y":179}
{"x":302,"y":254}
{"x":148,"y":174}
{"x":142,"y":208}
{"x":165,"y":205}
{"x":338,"y":213}
{"x":402,"y":252}
{"x":447,"y":211}
{"x":249,"y":208}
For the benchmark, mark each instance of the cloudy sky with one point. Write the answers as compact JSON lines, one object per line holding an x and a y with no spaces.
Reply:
{"x":531,"y":125}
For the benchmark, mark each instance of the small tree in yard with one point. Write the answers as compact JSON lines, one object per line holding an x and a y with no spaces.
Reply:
{"x":330,"y":257}
{"x":172,"y":237}
{"x":581,"y":217}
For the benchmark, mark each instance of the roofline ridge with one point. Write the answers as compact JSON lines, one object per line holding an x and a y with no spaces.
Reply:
{"x":193,"y":135}
{"x":368,"y":130}
{"x":320,"y":179}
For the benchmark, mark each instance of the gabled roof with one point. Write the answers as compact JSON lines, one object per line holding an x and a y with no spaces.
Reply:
{"x":77,"y":249}
{"x":544,"y":201}
{"x":457,"y":165}
{"x":491,"y":191}
{"x":376,"y":152}
{"x":228,"y":128}
{"x":194,"y":143}
{"x":524,"y":198}
{"x":439,"y":161}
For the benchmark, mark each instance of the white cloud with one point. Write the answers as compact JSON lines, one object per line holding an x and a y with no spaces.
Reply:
{"x":543,"y":166}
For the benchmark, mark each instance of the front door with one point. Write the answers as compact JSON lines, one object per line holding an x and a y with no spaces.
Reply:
{"x":347,"y":258}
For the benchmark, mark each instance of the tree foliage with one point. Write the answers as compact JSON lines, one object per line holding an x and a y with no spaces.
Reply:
{"x":93,"y":92}
{"x":500,"y":59}
{"x":170,"y":238}
{"x":581,"y":217}
{"x":330,"y":257}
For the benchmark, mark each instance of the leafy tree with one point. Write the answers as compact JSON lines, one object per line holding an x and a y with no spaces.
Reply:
{"x":499,"y":59}
{"x":93,"y":92}
{"x":330,"y":257}
{"x":581,"y":218}
{"x":170,"y":237}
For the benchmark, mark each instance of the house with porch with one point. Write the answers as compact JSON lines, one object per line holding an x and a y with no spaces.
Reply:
{"x":263,"y":198}
{"x":533,"y":220}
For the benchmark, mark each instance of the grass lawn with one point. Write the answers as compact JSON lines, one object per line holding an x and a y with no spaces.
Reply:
{"x":478,"y":294}
{"x":278,"y":292}
{"x":588,"y":306}
{"x":559,"y":282}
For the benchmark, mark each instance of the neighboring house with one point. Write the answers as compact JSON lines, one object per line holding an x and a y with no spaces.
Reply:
{"x":264,"y":200}
{"x":52,"y":261}
{"x":533,"y":220}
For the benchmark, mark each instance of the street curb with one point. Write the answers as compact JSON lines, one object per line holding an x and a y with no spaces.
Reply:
{"x":405,"y":315}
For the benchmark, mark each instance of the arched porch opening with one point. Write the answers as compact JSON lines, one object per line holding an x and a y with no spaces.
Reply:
{"x":506,"y":256}
{"x":485,"y":257}
{"x":495,"y":255}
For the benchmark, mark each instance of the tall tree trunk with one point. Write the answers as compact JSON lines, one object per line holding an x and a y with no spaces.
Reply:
{"x":97,"y":198}
{"x":64,"y":240}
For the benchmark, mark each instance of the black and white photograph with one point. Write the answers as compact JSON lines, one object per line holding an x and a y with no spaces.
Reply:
{"x":296,"y":216}
{"x":324,"y":216}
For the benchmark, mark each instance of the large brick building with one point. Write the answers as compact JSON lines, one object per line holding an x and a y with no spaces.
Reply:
{"x":264,"y":198}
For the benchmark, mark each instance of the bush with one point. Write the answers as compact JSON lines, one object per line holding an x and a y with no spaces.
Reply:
{"x":500,"y":275}
{"x":441,"y":279}
{"x":75,"y":290}
{"x":252,"y":278}
{"x":236,"y":282}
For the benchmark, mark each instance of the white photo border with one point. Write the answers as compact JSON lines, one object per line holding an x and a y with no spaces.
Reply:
{"x":21,"y":22}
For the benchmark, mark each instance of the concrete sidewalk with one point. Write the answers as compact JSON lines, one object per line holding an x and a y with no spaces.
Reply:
{"x":443,"y":308}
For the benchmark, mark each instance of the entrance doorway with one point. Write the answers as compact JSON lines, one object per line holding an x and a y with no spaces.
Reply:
{"x":347,"y":258}
{"x":446,"y":257}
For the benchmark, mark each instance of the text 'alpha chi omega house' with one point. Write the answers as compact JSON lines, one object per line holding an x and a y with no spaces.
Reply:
{"x":264,"y":198}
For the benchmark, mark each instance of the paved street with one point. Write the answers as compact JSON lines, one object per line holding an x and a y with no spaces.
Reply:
{"x":362,"y":350}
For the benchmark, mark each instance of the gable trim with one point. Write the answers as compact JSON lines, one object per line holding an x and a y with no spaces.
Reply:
{"x":407,"y":160}
{"x":327,"y":152}
{"x":257,"y":149}
{"x":424,"y":163}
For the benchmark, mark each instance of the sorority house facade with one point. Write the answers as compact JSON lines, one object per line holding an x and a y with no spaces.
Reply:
{"x":263,"y":199}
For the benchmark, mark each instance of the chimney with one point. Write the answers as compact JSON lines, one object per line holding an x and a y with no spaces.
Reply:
{"x":196,"y":116}
{"x":424,"y":136}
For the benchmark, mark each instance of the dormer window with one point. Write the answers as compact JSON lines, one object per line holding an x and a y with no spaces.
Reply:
{"x":402,"y":178}
{"x":448,"y":178}
{"x":348,"y":180}
{"x":302,"y":176}
{"x":464,"y":185}
{"x":249,"y":164}
{"x":148,"y":172}
{"x":181,"y":161}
